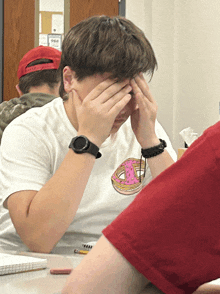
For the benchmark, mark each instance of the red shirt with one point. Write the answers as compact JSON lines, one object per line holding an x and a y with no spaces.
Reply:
{"x":171,"y":231}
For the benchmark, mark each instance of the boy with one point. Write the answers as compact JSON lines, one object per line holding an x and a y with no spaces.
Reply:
{"x":75,"y":163}
{"x":39,"y":81}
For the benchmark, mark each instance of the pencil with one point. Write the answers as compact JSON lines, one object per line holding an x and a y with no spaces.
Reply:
{"x":81,"y":251}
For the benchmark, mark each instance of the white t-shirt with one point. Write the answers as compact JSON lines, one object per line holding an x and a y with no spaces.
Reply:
{"x":33,"y":147}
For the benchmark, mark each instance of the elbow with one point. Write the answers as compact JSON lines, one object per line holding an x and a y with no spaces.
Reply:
{"x":38,"y":247}
{"x":38,"y":244}
{"x":39,"y":240}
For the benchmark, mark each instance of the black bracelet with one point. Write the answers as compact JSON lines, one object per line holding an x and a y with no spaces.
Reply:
{"x":154,"y":151}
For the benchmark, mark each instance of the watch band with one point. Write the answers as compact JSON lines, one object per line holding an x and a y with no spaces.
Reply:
{"x":154,"y":151}
{"x":94,"y":150}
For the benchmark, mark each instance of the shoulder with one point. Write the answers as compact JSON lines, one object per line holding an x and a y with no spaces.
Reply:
{"x":208,"y":142}
{"x":36,"y":99}
{"x":26,"y":101}
{"x":7,"y":106}
{"x":10,"y":110}
{"x":38,"y":122}
{"x":40,"y":113}
{"x":213,"y":131}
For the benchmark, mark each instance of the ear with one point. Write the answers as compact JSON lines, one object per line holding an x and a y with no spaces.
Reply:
{"x":68,"y":79}
{"x":19,"y":90}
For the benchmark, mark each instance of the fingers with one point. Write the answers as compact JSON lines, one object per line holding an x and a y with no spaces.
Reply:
{"x":100,"y":89}
{"x":146,"y":104}
{"x":117,"y":107}
{"x":106,"y":90}
{"x":140,"y":86}
{"x":108,"y":94}
{"x":116,"y":91}
{"x":117,"y":97}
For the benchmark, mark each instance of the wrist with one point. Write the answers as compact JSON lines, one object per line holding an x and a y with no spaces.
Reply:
{"x":81,"y":144}
{"x":154,"y":150}
{"x":150,"y":142}
{"x":91,"y":138}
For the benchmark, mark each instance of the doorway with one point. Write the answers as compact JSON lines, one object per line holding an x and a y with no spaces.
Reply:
{"x":19,"y":32}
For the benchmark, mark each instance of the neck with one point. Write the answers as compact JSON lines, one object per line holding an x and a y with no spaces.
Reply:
{"x":45,"y":89}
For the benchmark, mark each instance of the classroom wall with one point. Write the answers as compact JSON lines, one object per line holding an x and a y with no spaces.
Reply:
{"x":186,"y":40}
{"x":185,"y":35}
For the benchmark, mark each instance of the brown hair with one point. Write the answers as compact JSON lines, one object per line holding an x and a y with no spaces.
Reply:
{"x":50,"y":77}
{"x":102,"y":44}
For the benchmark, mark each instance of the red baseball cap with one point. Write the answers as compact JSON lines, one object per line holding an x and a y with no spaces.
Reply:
{"x":38,"y":53}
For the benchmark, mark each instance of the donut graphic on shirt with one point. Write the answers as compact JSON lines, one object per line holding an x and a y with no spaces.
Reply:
{"x":125,"y":179}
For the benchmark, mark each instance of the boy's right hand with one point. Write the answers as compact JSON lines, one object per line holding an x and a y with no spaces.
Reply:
{"x":97,"y":112}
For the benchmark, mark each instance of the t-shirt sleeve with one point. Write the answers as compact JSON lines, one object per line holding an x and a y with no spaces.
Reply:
{"x":170,"y":232}
{"x":25,"y":160}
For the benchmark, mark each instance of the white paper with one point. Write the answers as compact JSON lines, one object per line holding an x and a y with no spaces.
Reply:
{"x":57,"y":24}
{"x":40,"y":23}
{"x":43,"y":40}
{"x":188,"y":135}
{"x":55,"y":41}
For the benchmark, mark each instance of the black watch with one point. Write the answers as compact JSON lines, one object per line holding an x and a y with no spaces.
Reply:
{"x":81,"y":144}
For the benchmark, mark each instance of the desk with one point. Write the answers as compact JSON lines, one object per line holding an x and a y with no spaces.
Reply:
{"x":42,"y":282}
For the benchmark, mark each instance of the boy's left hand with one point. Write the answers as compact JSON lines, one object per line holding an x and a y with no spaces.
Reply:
{"x":144,"y":116}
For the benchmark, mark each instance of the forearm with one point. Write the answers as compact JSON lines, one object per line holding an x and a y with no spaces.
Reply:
{"x":106,"y":265}
{"x":208,"y":288}
{"x":53,"y":208}
{"x":159,"y":163}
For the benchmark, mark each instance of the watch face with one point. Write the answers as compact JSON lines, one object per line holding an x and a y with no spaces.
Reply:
{"x":81,"y":143}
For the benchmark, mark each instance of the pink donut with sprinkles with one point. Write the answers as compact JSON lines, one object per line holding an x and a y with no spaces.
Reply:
{"x":125,"y":179}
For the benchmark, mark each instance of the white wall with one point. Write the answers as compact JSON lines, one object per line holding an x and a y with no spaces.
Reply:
{"x":185,"y":35}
